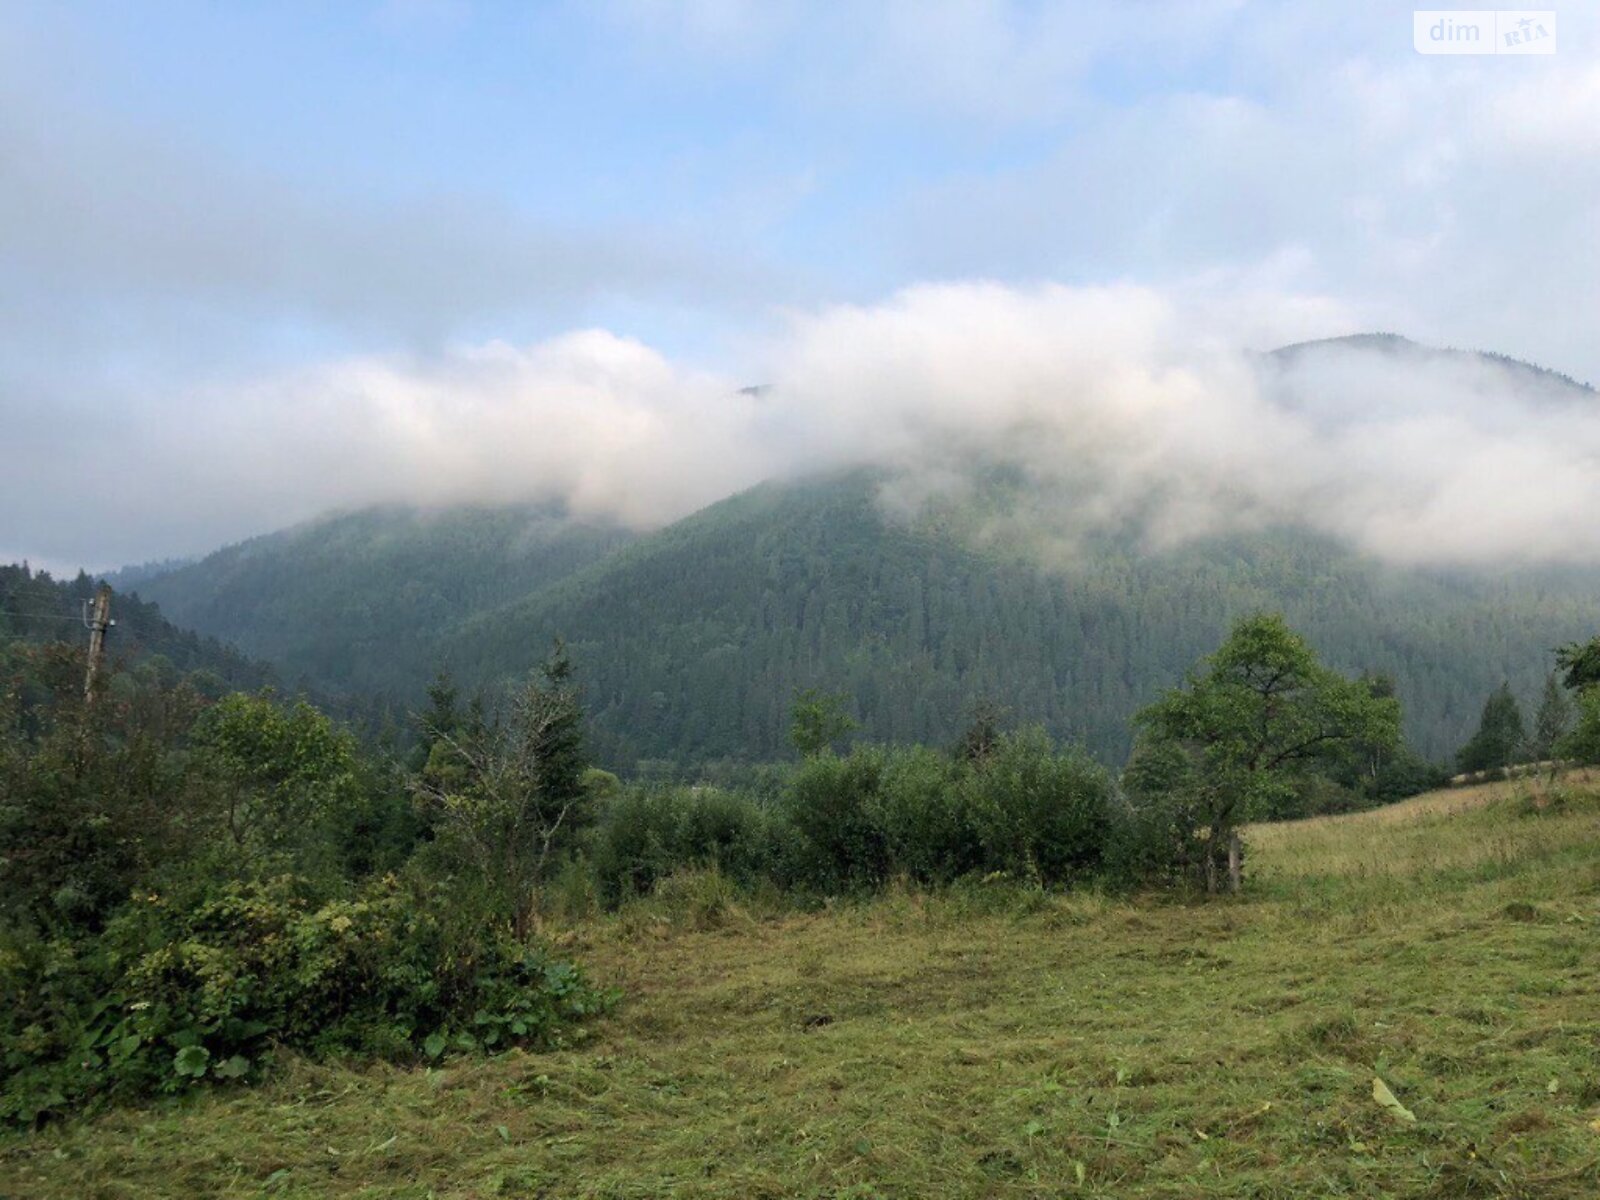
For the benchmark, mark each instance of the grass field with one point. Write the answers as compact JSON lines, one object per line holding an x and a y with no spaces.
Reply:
{"x":991,"y":1042}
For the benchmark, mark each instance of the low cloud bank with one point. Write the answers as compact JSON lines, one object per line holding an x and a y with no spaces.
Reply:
{"x":1121,"y":407}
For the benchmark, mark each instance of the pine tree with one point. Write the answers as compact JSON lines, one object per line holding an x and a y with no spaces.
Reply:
{"x":1553,"y":720}
{"x":1502,"y":735}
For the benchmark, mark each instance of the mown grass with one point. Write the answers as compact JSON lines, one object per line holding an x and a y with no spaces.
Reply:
{"x":994,"y":1042}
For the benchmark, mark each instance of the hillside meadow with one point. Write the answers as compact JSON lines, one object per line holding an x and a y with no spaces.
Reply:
{"x":991,"y":1041}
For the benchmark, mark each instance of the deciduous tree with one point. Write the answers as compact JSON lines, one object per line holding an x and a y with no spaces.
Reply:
{"x":1257,"y":717}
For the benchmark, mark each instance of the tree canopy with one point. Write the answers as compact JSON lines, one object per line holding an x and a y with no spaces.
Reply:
{"x":1257,"y":717}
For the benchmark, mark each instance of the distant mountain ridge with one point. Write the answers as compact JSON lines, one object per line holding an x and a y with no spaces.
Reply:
{"x":37,"y":608}
{"x":347,"y":602}
{"x":1394,"y":345}
{"x":691,"y":639}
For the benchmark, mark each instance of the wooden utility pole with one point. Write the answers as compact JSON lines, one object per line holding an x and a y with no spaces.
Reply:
{"x":98,"y":624}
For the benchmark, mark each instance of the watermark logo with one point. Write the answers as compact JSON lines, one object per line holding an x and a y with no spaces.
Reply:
{"x":1483,"y":31}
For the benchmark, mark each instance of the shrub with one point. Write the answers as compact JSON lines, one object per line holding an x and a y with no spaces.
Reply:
{"x":282,"y":775}
{"x":833,"y":805}
{"x":199,"y":985}
{"x":921,"y":814}
{"x":648,"y":833}
{"x":1039,"y":813}
{"x":1157,"y":826}
{"x":1159,"y":837}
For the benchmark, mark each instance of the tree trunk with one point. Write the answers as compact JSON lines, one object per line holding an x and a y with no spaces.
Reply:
{"x":1235,"y":863}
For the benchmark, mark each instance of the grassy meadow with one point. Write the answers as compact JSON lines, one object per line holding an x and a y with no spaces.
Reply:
{"x":990,"y":1041}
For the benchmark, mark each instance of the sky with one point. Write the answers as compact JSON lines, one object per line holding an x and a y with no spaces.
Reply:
{"x":260,"y":260}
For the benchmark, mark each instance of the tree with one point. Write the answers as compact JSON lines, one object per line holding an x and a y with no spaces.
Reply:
{"x":1583,"y":743}
{"x":817,"y":721}
{"x":982,"y":735}
{"x":1552,"y":721}
{"x":282,"y":772}
{"x":1581,"y":662}
{"x":521,"y":798}
{"x":91,"y":796}
{"x":1259,"y":716}
{"x":1502,"y":736}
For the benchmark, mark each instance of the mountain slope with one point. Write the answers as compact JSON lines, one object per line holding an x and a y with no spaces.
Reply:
{"x":352,"y":603}
{"x":692,"y":641}
{"x":37,"y":608}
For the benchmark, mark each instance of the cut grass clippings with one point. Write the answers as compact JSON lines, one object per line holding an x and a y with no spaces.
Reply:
{"x":989,"y":1041}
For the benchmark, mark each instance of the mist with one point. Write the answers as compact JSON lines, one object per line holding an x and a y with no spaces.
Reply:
{"x":1125,"y":409}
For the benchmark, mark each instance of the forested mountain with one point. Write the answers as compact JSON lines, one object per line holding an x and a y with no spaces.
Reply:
{"x":692,"y":641}
{"x":34,"y":607}
{"x":354,"y":603}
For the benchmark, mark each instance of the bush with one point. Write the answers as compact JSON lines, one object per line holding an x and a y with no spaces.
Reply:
{"x":648,"y":833}
{"x":1156,"y":828}
{"x":1024,"y":809}
{"x":200,"y":985}
{"x":834,"y":807}
{"x":922,"y":815}
{"x":1159,"y":837}
{"x":1038,"y":813}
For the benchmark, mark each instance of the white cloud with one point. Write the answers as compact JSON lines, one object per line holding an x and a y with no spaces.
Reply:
{"x":1126,"y":407}
{"x":1252,"y":173}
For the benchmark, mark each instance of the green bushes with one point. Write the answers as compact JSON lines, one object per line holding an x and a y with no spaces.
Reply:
{"x":833,"y":806}
{"x":852,"y":824}
{"x":203,"y":982}
{"x":1039,"y":813}
{"x":923,"y":813}
{"x":185,"y":886}
{"x":646,"y":834}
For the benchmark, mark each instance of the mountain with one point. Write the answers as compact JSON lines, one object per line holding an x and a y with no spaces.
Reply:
{"x":126,"y":579}
{"x":1393,"y":350}
{"x":354,"y":603}
{"x":36,"y":608}
{"x":691,"y":640}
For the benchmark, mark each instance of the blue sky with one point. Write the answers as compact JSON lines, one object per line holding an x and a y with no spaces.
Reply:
{"x":198,"y":199}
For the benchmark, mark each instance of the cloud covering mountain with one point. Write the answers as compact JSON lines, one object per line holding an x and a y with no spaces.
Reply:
{"x":1123,"y":407}
{"x":255,"y":264}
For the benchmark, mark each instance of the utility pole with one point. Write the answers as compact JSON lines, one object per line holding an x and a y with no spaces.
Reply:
{"x":98,"y":624}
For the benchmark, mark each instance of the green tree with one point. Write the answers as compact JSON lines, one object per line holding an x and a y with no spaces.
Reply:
{"x":1502,"y":736}
{"x":1259,"y":716}
{"x":281,"y":773}
{"x":1552,"y":721}
{"x":1582,"y":665}
{"x":92,"y":797}
{"x":983,"y":732}
{"x":818,"y":720}
{"x":1581,"y":662}
{"x":1583,"y":743}
{"x":522,"y":798}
